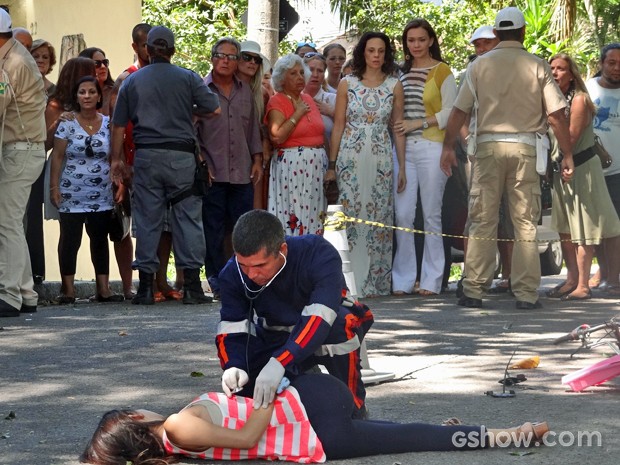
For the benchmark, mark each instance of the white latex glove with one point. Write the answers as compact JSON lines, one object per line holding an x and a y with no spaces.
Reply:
{"x":267,"y":382}
{"x":233,"y":379}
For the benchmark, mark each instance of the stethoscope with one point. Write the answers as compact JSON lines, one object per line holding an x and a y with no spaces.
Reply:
{"x":253,"y":294}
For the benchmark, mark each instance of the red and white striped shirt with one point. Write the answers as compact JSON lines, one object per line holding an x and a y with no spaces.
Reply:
{"x":289,"y":435}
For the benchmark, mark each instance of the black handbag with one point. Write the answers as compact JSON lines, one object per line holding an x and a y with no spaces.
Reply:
{"x":602,"y":153}
{"x":119,"y":223}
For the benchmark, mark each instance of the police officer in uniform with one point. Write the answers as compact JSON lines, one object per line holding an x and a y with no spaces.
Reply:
{"x":160,"y":100}
{"x":516,"y":97}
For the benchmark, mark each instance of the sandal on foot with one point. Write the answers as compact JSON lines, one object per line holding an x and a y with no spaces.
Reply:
{"x":594,"y":283}
{"x":173,"y":294}
{"x":65,"y":299}
{"x":557,"y":293}
{"x":159,"y":297}
{"x":571,"y":296}
{"x":427,"y":293}
{"x":533,"y":433}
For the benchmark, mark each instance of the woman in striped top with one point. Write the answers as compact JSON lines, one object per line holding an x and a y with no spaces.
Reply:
{"x":309,"y":422}
{"x":430,"y":90}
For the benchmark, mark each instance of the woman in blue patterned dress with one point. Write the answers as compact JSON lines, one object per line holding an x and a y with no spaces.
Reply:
{"x":361,"y":158}
{"x":82,"y":190}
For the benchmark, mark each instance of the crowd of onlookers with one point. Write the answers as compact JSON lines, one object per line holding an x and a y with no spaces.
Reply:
{"x":283,"y":130}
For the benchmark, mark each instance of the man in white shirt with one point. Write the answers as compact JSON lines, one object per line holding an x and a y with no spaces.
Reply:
{"x":604,"y":91}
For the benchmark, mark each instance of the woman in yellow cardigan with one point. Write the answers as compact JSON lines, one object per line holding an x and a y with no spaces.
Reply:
{"x":430,"y":90}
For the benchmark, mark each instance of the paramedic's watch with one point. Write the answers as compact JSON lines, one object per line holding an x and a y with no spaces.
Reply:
{"x":425,"y":125}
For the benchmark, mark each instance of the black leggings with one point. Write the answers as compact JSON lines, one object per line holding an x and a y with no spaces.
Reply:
{"x":329,"y":405}
{"x":71,"y":238}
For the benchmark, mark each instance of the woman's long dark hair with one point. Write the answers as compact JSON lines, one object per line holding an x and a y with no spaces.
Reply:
{"x":71,"y":72}
{"x":434,"y":50}
{"x":359,"y":62}
{"x":120,"y":439}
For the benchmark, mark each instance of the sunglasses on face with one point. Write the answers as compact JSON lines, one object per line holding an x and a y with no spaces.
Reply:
{"x":90,"y":153}
{"x":247,"y":57}
{"x":309,"y":44}
{"x":221,"y":56}
{"x":99,"y":63}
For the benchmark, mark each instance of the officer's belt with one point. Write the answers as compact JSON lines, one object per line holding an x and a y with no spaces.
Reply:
{"x":175,"y":146}
{"x":528,"y":138}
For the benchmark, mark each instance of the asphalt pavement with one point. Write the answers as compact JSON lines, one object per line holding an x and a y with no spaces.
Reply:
{"x":64,"y":366}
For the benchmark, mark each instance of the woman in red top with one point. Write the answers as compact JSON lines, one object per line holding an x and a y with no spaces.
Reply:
{"x":299,"y":160}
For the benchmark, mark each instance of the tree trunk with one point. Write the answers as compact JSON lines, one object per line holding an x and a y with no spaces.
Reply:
{"x":263,"y":22}
{"x":71,"y":47}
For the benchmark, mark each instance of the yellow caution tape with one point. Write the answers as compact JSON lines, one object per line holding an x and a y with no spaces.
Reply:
{"x":337,"y":221}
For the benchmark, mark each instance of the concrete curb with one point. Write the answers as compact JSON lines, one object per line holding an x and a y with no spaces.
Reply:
{"x":49,"y":290}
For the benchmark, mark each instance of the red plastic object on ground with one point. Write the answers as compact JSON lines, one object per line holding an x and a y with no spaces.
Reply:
{"x":594,"y":374}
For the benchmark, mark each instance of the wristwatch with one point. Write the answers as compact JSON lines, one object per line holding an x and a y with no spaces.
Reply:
{"x":425,"y":125}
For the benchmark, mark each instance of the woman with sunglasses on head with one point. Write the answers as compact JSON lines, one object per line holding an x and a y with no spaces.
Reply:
{"x":335,"y":56}
{"x":82,"y":190}
{"x":304,"y":47}
{"x":430,"y":90}
{"x":104,"y":77}
{"x":250,"y":68}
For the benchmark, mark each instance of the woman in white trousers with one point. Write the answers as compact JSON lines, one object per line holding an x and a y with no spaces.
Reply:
{"x":430,"y":90}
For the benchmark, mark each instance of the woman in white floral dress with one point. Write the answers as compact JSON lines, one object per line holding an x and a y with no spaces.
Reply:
{"x":361,"y":158}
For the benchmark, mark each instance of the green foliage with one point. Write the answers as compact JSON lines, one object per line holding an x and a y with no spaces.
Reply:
{"x":453,"y":21}
{"x":197,"y":25}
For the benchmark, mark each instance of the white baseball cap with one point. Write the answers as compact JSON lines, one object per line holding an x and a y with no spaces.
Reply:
{"x":509,"y":18}
{"x":5,"y":22}
{"x":483,"y":32}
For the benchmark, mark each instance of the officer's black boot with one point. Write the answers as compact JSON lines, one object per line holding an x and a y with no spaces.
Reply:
{"x":144,"y":296}
{"x":192,"y":289}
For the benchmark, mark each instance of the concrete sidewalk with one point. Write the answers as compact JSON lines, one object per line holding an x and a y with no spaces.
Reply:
{"x":64,"y":366}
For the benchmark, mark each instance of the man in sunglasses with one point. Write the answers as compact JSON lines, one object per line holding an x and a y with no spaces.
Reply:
{"x":231,"y":145}
{"x":158,"y":100}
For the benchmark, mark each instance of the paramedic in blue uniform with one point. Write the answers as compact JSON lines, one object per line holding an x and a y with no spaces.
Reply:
{"x":285,"y":309}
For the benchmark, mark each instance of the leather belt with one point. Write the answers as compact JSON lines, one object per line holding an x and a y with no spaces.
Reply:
{"x":174,"y":146}
{"x":24,"y":146}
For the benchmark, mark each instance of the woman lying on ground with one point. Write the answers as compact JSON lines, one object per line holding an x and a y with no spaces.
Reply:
{"x":308,"y":422}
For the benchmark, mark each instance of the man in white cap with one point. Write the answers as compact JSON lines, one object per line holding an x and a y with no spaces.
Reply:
{"x":160,"y":100}
{"x":22,"y":154}
{"x":516,"y":96}
{"x":483,"y":39}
